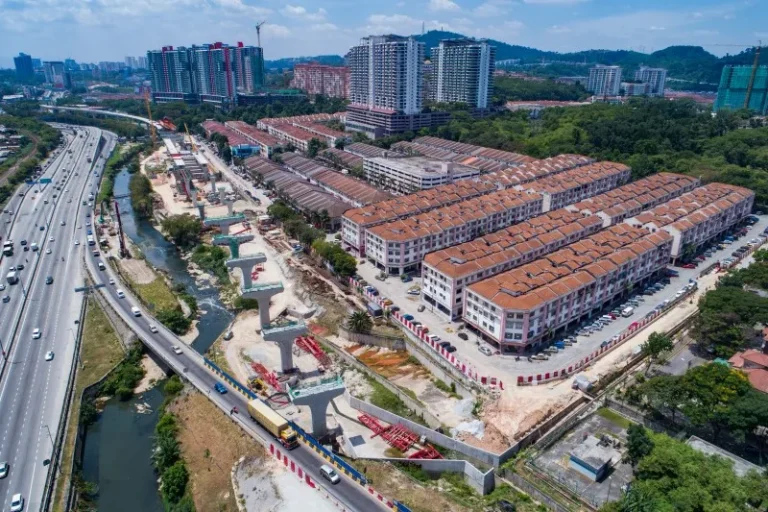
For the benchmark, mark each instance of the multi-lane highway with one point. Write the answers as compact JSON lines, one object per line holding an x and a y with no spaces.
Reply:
{"x":32,"y":388}
{"x":34,"y":382}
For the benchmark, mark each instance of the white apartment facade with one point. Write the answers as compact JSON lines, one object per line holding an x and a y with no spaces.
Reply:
{"x":463,"y":72}
{"x":604,"y":80}
{"x":386,"y":73}
{"x":656,"y":79}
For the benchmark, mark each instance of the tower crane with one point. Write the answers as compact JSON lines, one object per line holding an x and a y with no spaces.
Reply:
{"x":755,"y":65}
{"x":258,"y":31}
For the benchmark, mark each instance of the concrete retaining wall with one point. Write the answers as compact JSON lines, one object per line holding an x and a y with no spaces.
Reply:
{"x":412,"y":404}
{"x":491,"y":459}
{"x":442,"y":371}
{"x":374,"y":339}
{"x":482,"y":483}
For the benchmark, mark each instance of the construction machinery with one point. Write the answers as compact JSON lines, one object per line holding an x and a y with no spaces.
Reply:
{"x":152,"y":131}
{"x":258,"y":31}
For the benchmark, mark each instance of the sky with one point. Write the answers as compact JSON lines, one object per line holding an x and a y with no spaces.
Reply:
{"x":97,"y":30}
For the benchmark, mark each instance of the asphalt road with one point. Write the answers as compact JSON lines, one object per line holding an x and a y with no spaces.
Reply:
{"x":190,"y":365}
{"x":32,"y":390}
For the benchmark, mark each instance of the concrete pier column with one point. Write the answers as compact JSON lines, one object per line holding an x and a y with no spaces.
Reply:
{"x":201,"y":210}
{"x":317,"y":396}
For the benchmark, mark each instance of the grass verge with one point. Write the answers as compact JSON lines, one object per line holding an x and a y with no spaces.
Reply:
{"x":384,"y":398}
{"x":211,"y":443}
{"x":157,"y":294}
{"x":614,"y":417}
{"x":100,"y":351}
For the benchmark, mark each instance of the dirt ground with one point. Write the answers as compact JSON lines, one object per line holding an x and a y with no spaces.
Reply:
{"x":211,"y":444}
{"x":396,"y":485}
{"x":152,"y":374}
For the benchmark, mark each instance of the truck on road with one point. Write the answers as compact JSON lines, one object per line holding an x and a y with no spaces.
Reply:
{"x":8,"y":248}
{"x":12,"y":277}
{"x":274,"y":423}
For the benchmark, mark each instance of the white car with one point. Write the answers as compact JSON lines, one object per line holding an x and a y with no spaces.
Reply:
{"x":36,"y":333}
{"x":50,"y":239}
{"x":63,"y":223}
{"x":48,"y":251}
{"x":111,"y":281}
{"x":153,"y":327}
{"x":17,"y":503}
{"x":2,"y":287}
{"x":49,"y":355}
{"x":176,"y":350}
{"x":77,"y":242}
{"x":120,"y":294}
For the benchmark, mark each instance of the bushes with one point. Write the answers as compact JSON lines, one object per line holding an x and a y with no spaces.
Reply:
{"x":343,"y":263}
{"x":141,"y":196}
{"x":126,"y":376}
{"x":242,"y":303}
{"x":183,"y":230}
{"x":211,"y":259}
{"x":174,"y":319}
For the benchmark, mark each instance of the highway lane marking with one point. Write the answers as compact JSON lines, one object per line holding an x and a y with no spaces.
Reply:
{"x":57,"y":213}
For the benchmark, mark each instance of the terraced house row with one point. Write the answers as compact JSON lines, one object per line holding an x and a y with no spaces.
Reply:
{"x":357,"y":221}
{"x":447,"y":272}
{"x":399,"y":246}
{"x":522,"y":307}
{"x":697,"y":217}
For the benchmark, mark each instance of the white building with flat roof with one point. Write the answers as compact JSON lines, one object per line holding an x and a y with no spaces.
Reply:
{"x":409,"y":174}
{"x":604,"y":80}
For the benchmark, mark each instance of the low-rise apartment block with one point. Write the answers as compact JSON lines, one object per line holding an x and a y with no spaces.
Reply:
{"x":497,"y":155}
{"x":357,"y":221}
{"x":264,"y":140}
{"x":314,"y":78}
{"x":633,"y":198}
{"x":527,"y":306}
{"x":398,"y":247}
{"x":446,"y":272}
{"x":409,"y":174}
{"x":572,"y":186}
{"x":698,"y":216}
{"x":267,"y":122}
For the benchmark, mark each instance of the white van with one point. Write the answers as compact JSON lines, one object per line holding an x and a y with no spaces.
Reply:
{"x":101,"y":266}
{"x":135,"y":311}
{"x":433,"y":338}
{"x":627,"y":312}
{"x":329,"y":474}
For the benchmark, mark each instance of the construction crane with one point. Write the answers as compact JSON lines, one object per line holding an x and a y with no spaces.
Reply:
{"x":258,"y":31}
{"x":755,"y":65}
{"x":151,"y":122}
{"x":191,"y":140}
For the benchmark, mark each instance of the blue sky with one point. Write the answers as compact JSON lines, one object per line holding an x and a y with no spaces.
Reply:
{"x":93,"y":30}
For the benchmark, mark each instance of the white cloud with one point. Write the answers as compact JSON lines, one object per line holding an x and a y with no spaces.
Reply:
{"x":558,"y":29}
{"x":324,"y":27}
{"x":297,"y":11}
{"x":443,"y":5}
{"x":391,"y":24}
{"x":554,"y":2}
{"x":492,"y":8}
{"x":654,"y":28}
{"x":273,"y":30}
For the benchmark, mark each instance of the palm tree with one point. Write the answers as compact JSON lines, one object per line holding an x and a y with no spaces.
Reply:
{"x":360,"y":322}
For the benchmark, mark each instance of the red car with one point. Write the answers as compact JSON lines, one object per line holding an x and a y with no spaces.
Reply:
{"x":689,"y":265}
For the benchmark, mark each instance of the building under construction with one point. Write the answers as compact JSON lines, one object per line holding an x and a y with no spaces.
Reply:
{"x":743,"y":87}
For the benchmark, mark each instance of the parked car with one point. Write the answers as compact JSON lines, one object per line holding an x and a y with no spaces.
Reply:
{"x":219,"y":387}
{"x":463,"y":336}
{"x":484,"y":349}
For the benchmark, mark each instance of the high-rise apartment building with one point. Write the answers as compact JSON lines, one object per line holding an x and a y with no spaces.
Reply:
{"x":142,"y":62}
{"x":385,"y":87}
{"x":54,"y":73}
{"x":463,"y":71}
{"x":387,"y":74}
{"x":604,"y":80}
{"x":314,"y":78}
{"x":213,"y":73}
{"x":734,"y":84}
{"x":654,"y":77}
{"x":24,"y":69}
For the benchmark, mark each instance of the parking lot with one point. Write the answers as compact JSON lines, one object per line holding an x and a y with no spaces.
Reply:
{"x":508,"y":365}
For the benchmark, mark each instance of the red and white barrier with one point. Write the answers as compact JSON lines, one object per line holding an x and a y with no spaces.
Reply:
{"x":294,"y":468}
